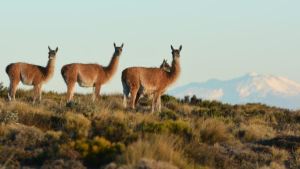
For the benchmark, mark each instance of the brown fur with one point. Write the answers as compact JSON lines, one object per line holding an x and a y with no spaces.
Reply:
{"x":139,"y":80}
{"x":30,"y":74}
{"x":164,"y":66}
{"x":90,"y":75}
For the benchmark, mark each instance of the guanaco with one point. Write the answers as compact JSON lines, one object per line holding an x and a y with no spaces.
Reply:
{"x":90,"y":75}
{"x":30,"y":74}
{"x":164,"y":66}
{"x":154,"y":81}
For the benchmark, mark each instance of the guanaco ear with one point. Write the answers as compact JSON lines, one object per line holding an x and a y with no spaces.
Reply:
{"x":56,"y":49}
{"x":122,"y":45}
{"x":49,"y":48}
{"x":172,"y":48}
{"x":180,"y":47}
{"x":115,"y":45}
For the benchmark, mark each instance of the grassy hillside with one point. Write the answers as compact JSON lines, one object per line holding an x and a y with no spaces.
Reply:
{"x":190,"y":133}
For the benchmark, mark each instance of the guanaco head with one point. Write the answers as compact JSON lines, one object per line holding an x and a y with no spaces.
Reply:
{"x":176,"y":52}
{"x":118,"y":50}
{"x":165,"y":66}
{"x":52,"y":53}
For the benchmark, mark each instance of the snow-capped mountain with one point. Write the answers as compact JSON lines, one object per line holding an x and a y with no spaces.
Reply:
{"x":253,"y":87}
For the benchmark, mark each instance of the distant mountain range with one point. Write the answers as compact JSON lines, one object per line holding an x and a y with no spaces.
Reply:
{"x":251,"y":88}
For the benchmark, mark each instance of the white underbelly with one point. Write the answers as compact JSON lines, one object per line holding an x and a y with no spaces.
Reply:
{"x":25,"y":80}
{"x":84,"y":81}
{"x":85,"y":84}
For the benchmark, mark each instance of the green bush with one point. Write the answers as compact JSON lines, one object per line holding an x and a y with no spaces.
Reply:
{"x":77,"y":126}
{"x":168,"y":98}
{"x":151,"y":127}
{"x":113,"y":129}
{"x":98,"y":151}
{"x":169,"y":126}
{"x":179,"y":127}
{"x":86,"y":108}
{"x":168,"y":115}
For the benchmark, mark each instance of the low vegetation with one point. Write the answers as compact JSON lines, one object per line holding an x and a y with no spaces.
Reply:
{"x":186,"y":134}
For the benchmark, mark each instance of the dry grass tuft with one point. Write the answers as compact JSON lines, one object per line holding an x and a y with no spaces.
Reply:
{"x":214,"y":131}
{"x":159,"y":147}
{"x":279,"y":155}
{"x":254,"y":132}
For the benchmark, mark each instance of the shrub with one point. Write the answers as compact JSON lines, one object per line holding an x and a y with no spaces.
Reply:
{"x":77,"y":126}
{"x":200,"y":112}
{"x":168,"y":115}
{"x":214,"y":131}
{"x":73,"y":124}
{"x":255,"y":132}
{"x":22,"y":136}
{"x":212,"y":156}
{"x":85,"y":108}
{"x":151,"y":127}
{"x":98,"y":151}
{"x":52,"y":136}
{"x":28,"y":114}
{"x":173,"y":105}
{"x":21,"y":143}
{"x":114,"y":129}
{"x":168,"y":98}
{"x":210,"y":112}
{"x":179,"y":127}
{"x":175,"y":127}
{"x":157,"y":147}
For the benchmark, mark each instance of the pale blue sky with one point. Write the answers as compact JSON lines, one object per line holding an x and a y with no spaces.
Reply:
{"x":221,"y":39}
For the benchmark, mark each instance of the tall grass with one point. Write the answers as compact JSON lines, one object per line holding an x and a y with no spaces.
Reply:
{"x":158,"y":147}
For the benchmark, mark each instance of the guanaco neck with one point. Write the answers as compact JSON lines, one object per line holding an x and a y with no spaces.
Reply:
{"x":111,"y":69}
{"x":49,"y":69}
{"x":175,"y":70}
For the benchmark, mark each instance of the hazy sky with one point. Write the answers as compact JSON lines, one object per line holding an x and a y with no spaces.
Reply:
{"x":221,"y":39}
